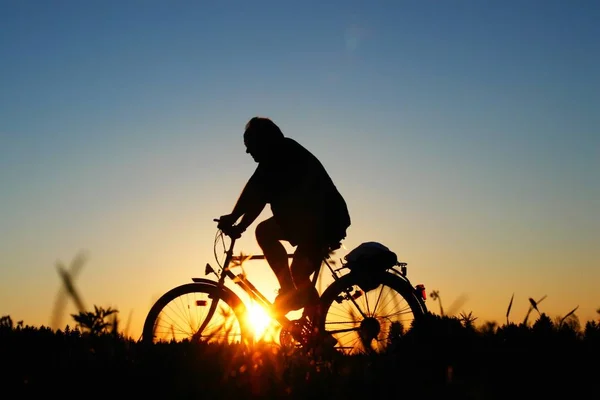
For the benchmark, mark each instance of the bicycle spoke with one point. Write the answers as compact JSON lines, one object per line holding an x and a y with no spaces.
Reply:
{"x":378,"y":298}
{"x":183,"y":312}
{"x":336,"y":331}
{"x":368,"y":321}
{"x":181,"y":315}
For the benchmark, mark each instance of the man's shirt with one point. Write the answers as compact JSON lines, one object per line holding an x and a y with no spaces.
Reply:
{"x":303,"y":198}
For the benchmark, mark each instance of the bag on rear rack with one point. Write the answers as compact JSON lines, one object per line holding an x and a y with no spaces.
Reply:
{"x":371,"y":257}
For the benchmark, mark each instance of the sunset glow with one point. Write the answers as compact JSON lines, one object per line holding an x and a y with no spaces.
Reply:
{"x":259,"y":320}
{"x":462,"y":135}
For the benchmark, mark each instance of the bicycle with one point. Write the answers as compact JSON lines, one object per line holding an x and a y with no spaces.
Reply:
{"x":208,"y":310}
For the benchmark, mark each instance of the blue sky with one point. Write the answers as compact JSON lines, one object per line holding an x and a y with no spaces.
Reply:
{"x":463,"y":134}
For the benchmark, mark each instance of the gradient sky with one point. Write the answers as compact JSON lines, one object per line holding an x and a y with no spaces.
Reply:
{"x":464,"y":135}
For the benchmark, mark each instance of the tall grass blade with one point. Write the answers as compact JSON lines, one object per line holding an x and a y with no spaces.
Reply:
{"x":567,"y":316}
{"x":533,"y":304}
{"x":509,"y":307}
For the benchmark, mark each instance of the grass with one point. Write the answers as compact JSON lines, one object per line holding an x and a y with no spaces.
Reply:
{"x":441,"y":357}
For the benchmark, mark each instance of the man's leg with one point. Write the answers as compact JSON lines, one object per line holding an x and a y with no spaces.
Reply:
{"x":268,"y":235}
{"x":307,"y":259}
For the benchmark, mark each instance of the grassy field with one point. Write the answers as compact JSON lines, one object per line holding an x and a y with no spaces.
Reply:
{"x":444,"y":357}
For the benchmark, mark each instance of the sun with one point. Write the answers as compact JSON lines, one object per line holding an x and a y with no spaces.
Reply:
{"x":258,"y":319}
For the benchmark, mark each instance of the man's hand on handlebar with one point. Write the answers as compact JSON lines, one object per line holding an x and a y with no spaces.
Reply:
{"x":226,"y":224}
{"x":234,"y":231}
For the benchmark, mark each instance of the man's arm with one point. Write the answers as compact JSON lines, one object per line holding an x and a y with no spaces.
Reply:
{"x":249,"y":205}
{"x":253,"y":210}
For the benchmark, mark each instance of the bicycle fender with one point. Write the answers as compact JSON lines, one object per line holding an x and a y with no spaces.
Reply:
{"x":204,"y":280}
{"x":212,"y":283}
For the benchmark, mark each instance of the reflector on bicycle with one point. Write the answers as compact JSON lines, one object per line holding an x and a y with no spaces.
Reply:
{"x":420,"y":289}
{"x":201,"y":303}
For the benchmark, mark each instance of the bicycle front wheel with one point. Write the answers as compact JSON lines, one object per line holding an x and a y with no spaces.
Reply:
{"x":179,"y":314}
{"x":368,"y":318}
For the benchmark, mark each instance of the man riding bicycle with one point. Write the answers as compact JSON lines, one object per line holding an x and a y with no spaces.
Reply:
{"x":308,"y":211}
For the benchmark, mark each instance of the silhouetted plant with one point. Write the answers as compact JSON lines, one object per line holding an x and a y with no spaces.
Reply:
{"x":532,"y":305}
{"x":592,"y":331}
{"x":67,"y":277}
{"x":569,"y":325}
{"x":569,"y":314}
{"x":6,"y":322}
{"x":509,"y":306}
{"x":489,"y":328}
{"x":95,"y":322}
{"x":467,"y":319}
{"x":489,"y":365}
{"x":435,"y":296}
{"x":543,"y":327}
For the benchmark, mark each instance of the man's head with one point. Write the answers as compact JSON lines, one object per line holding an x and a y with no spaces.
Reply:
{"x":261,"y":138}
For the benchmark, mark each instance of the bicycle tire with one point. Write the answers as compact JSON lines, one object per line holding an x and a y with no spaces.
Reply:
{"x":177,"y":314}
{"x":365,"y":331}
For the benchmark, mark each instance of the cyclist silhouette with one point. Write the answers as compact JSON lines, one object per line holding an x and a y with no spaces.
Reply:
{"x":308,"y":211}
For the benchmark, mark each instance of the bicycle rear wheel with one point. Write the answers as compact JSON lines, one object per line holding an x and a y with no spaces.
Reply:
{"x":368,"y":319}
{"x":178,"y":314}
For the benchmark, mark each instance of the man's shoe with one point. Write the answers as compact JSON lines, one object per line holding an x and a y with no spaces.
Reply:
{"x":287,"y":301}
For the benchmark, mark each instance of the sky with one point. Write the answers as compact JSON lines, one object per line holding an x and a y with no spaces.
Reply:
{"x":464,"y":135}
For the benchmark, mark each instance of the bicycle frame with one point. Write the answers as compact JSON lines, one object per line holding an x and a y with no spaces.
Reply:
{"x":247,"y":286}
{"x":307,"y":330}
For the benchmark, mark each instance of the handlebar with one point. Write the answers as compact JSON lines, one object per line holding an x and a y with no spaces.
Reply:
{"x":230,"y":231}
